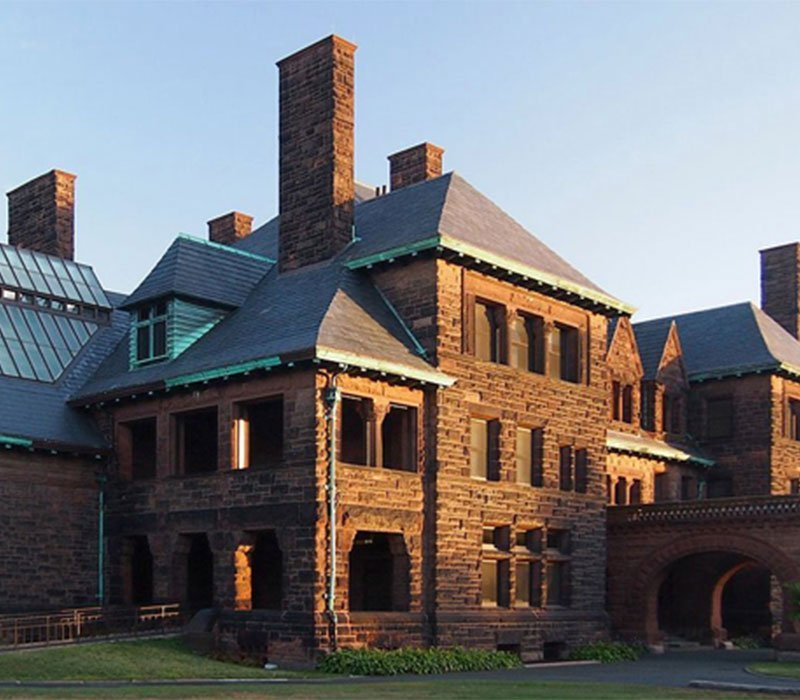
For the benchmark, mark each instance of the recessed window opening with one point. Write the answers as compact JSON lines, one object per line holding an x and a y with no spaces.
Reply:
{"x":260,"y":433}
{"x":484,"y":449}
{"x":528,"y":568}
{"x":565,"y":481}
{"x":199,"y":573}
{"x":636,"y":491}
{"x":794,"y":419}
{"x":379,"y":572}
{"x":564,"y":353}
{"x":196,"y":434}
{"x":142,"y":436}
{"x":581,"y":470}
{"x":488,"y":331}
{"x":627,"y":403}
{"x":267,"y":572}
{"x":355,"y":436}
{"x":140,"y":571}
{"x":621,"y":492}
{"x":399,"y":438}
{"x":557,"y":567}
{"x":527,"y":343}
{"x":530,"y":456}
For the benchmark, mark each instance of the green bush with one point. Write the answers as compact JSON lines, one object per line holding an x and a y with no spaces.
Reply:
{"x":608,"y":652}
{"x":379,"y":662}
{"x":747,"y":642}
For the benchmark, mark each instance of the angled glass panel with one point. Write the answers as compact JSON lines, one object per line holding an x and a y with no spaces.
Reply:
{"x":29,"y":344}
{"x":43,"y":341}
{"x":94,"y":285}
{"x":57,"y":339}
{"x":51,"y":281}
{"x":7,"y":366}
{"x":62,"y":274}
{"x":65,"y":326}
{"x":7,"y":276}
{"x":80,"y":329}
{"x":19,"y":269}
{"x":37,"y":280}
{"x":74,"y":273}
{"x":20,"y":359}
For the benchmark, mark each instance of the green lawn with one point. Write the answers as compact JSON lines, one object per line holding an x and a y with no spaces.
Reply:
{"x":138,"y":660}
{"x":785,"y":669}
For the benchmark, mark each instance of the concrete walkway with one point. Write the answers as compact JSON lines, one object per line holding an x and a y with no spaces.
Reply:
{"x":678,"y":668}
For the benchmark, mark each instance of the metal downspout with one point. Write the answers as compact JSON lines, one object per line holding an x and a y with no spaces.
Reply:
{"x":332,"y":400}
{"x":101,"y":549}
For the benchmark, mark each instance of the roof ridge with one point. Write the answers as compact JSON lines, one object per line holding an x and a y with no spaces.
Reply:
{"x":222,"y":247}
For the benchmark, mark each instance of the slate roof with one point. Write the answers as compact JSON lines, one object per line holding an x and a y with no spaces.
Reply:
{"x":38,"y":411}
{"x":724,"y":341}
{"x":322,"y":311}
{"x":651,"y":342}
{"x":204,"y":271}
{"x":447,"y":212}
{"x":644,"y":445}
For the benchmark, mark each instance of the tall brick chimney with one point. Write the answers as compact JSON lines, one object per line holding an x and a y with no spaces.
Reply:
{"x":317,"y":186}
{"x":780,"y":285}
{"x":41,"y":214}
{"x":415,"y":164}
{"x":229,"y":228}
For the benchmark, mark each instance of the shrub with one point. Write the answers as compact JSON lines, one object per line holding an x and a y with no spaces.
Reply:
{"x":379,"y":662}
{"x":608,"y":652}
{"x":747,"y":642}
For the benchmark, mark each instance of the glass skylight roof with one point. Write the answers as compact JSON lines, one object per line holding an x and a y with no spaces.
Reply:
{"x":46,"y":274}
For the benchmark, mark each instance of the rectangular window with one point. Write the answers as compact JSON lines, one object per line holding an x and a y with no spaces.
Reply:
{"x":196,"y":441}
{"x":794,"y":486}
{"x":671,"y":414}
{"x":688,"y":488}
{"x":557,"y":583}
{"x":646,"y":412}
{"x":151,"y":332}
{"x":399,"y":438}
{"x":616,"y":398}
{"x":530,"y":456}
{"x":794,"y":419}
{"x":527,"y":343}
{"x":627,"y":403}
{"x":494,"y":567}
{"x":355,"y":440}
{"x":719,"y":417}
{"x":635,"y":492}
{"x":621,"y":492}
{"x":488,"y":331}
{"x":581,"y":470}
{"x":484,"y":449}
{"x":141,"y":435}
{"x":661,"y":488}
{"x":489,"y":582}
{"x":569,"y":353}
{"x":259,"y":434}
{"x":530,"y":540}
{"x":528,"y":585}
{"x":565,"y":468}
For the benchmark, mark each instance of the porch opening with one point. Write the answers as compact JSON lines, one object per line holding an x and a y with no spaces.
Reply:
{"x":199,"y":573}
{"x":399,"y":437}
{"x":267,"y":567}
{"x":379,"y":572}
{"x":196,"y":441}
{"x":354,"y":446}
{"x":141,"y":454}
{"x":138,"y":571}
{"x":259,"y":438}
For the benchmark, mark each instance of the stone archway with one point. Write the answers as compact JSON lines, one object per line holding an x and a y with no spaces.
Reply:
{"x":644,"y":592}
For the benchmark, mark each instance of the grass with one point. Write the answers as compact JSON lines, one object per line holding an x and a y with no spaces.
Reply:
{"x":413,"y":690}
{"x":137,"y":660}
{"x":784,"y":669}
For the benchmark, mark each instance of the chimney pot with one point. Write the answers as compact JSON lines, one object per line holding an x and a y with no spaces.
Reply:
{"x":41,"y":214}
{"x":229,"y":228}
{"x":415,"y":164}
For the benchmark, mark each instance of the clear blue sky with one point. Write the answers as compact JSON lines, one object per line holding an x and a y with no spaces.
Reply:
{"x":656,"y":146}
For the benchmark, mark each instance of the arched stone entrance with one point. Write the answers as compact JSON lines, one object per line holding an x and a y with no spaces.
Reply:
{"x":681,"y":588}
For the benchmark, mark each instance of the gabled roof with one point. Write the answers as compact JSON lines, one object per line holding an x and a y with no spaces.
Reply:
{"x":724,"y":341}
{"x":449,"y":214}
{"x":204,"y":271}
{"x":651,"y":342}
{"x":323,"y":312}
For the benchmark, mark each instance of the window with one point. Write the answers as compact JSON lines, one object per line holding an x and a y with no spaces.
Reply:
{"x":565,"y":468}
{"x":196,"y":442}
{"x":794,"y":486}
{"x":527,"y":343}
{"x":484,"y":444}
{"x":719,"y":417}
{"x":564,"y":353}
{"x":627,"y":403}
{"x":557,"y":567}
{"x":661,"y":488}
{"x":616,"y":394}
{"x":688,"y":488}
{"x":530,"y":456}
{"x":581,"y":471}
{"x":794,"y":419}
{"x":635,"y":492}
{"x":495,"y":567}
{"x":621,"y":492}
{"x":528,"y":568}
{"x":399,"y":438}
{"x":488,"y":331}
{"x":259,"y":433}
{"x":151,"y":332}
{"x":141,"y":435}
{"x":671,"y":414}
{"x":355,"y":444}
{"x":646,"y":413}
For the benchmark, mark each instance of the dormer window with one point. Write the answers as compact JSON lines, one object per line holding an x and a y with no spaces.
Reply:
{"x":151,"y":332}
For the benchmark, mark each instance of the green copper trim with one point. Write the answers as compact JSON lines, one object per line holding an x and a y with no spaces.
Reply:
{"x":217,"y":373}
{"x":226,"y":248}
{"x":742,"y":370}
{"x":664,"y":451}
{"x":17,"y":441}
{"x":399,"y":252}
{"x":349,"y":358}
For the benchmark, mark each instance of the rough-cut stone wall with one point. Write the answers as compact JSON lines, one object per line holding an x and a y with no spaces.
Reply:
{"x":571,"y":414}
{"x":785,"y":453}
{"x":625,"y":367}
{"x":415,"y":164}
{"x":48,"y":531}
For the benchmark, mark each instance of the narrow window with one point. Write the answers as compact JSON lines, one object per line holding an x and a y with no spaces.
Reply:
{"x":557,"y":561}
{"x":621,"y":492}
{"x":484,"y":449}
{"x":565,"y":468}
{"x":528,"y":568}
{"x":354,"y":447}
{"x":794,"y":486}
{"x":259,"y":436}
{"x":627,"y":403}
{"x":530,"y":456}
{"x":646,"y":417}
{"x":488,"y":336}
{"x":569,"y":351}
{"x":609,"y":489}
{"x":581,"y":470}
{"x":527,"y":343}
{"x":688,"y":488}
{"x":399,"y":437}
{"x":267,"y":572}
{"x":489,"y":582}
{"x":794,"y":419}
{"x":661,"y":488}
{"x":495,"y":567}
{"x":719,"y":417}
{"x":151,"y":332}
{"x":636,"y":491}
{"x":141,"y":435}
{"x":671,"y":414}
{"x":196,"y":434}
{"x":615,"y":400}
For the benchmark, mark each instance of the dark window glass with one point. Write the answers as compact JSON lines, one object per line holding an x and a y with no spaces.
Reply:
{"x":627,"y":403}
{"x":399,"y":436}
{"x":688,"y":488}
{"x":159,"y":338}
{"x":794,"y":486}
{"x":487,"y":332}
{"x":581,"y":471}
{"x":355,"y":447}
{"x":662,"y":493}
{"x":636,"y":491}
{"x":615,"y":399}
{"x":197,"y":441}
{"x":565,"y":468}
{"x":557,"y":583}
{"x":537,"y":457}
{"x":621,"y":492}
{"x":527,"y":343}
{"x":142,"y":436}
{"x":647,"y":417}
{"x":260,"y":433}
